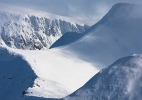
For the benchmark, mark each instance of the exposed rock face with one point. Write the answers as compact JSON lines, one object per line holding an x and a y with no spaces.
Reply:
{"x":29,"y":31}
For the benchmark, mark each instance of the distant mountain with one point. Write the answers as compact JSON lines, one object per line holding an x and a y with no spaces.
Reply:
{"x":120,"y":81}
{"x":22,"y":28}
{"x":116,"y":35}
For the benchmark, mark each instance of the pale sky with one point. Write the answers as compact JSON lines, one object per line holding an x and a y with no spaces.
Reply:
{"x":87,"y":9}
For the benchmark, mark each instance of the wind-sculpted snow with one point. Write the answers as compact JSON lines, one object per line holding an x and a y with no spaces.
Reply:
{"x":118,"y":34}
{"x":120,"y":81}
{"x":24,"y":29}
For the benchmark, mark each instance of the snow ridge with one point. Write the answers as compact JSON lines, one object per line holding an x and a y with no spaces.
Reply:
{"x":29,"y":29}
{"x":116,"y":35}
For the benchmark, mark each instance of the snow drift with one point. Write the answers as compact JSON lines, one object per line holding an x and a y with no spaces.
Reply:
{"x":120,"y":81}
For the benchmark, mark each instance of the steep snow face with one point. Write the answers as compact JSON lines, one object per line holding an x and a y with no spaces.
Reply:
{"x":120,"y":81}
{"x":15,"y":75}
{"x":118,"y":34}
{"x":28,"y":29}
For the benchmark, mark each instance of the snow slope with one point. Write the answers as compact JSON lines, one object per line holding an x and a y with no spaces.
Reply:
{"x":20,"y":82}
{"x":59,"y":67}
{"x":67,"y":39}
{"x":58,"y":73}
{"x":120,"y":81}
{"x":15,"y":77}
{"x":23,"y":28}
{"x":116,"y":35}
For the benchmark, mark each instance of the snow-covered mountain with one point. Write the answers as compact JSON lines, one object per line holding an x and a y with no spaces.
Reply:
{"x":22,"y":28}
{"x":120,"y":81}
{"x":116,"y":35}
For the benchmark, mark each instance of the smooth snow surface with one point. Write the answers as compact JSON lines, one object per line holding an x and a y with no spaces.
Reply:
{"x":59,"y":74}
{"x":120,"y":81}
{"x":117,"y":35}
{"x":60,"y":67}
{"x":67,"y":39}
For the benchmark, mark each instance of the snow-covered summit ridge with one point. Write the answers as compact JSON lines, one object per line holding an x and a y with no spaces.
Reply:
{"x":30,"y":29}
{"x":120,"y":81}
{"x":116,"y":35}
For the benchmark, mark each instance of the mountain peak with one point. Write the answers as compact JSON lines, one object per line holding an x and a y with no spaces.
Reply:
{"x":123,"y":4}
